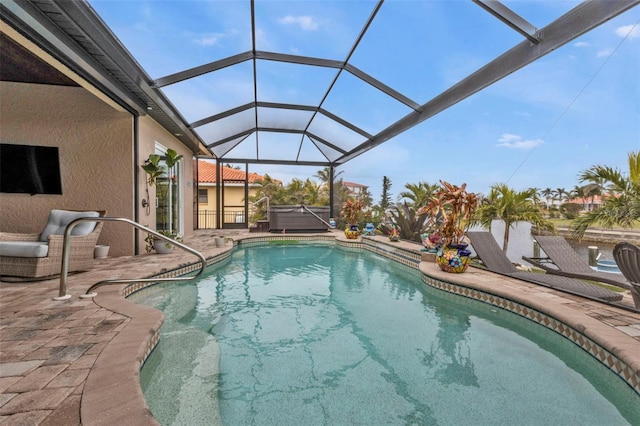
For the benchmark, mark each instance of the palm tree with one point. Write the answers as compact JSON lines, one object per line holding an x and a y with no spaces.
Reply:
{"x":325,"y":173}
{"x":419,"y":193}
{"x":560,"y":195}
{"x":270,"y":188}
{"x":510,"y":206}
{"x":577,"y":192}
{"x":547,"y":193}
{"x":621,"y":206}
{"x":294,"y":192}
{"x":536,"y":196}
{"x":313,"y":194}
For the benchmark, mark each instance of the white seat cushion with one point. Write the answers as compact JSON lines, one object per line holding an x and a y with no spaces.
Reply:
{"x":23,"y":249}
{"x":59,"y":219}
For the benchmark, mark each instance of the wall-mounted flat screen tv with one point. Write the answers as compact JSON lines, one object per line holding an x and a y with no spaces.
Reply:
{"x":29,"y":169}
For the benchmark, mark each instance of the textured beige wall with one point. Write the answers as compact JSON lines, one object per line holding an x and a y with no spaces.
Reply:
{"x":233,"y":195}
{"x":96,"y":157}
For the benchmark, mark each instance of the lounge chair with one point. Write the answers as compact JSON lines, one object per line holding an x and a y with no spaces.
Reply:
{"x":627,"y":257}
{"x":496,"y":261}
{"x":562,"y":259}
{"x":40,"y":255}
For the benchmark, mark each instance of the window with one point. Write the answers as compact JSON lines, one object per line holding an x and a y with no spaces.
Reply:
{"x":203,"y":196}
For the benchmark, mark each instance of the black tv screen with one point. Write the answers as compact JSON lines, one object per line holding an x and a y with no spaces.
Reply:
{"x":29,"y":169}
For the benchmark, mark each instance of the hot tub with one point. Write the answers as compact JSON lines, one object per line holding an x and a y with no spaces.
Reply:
{"x":298,"y":218}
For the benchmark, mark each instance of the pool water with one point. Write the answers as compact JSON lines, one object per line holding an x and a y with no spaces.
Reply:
{"x":316,"y":335}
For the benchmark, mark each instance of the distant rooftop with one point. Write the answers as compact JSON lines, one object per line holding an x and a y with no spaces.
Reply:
{"x":207,"y":174}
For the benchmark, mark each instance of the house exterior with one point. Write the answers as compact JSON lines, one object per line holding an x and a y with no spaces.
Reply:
{"x":355,"y":189}
{"x":588,"y":203}
{"x":232,"y":195}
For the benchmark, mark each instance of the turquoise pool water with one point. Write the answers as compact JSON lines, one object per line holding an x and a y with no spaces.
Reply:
{"x":315,"y":335}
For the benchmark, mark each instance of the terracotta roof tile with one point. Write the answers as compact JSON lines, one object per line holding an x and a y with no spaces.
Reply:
{"x":354,"y":185}
{"x":207,"y":173}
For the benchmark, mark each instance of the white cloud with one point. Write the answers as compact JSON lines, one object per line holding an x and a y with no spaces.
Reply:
{"x":306,"y":23}
{"x":604,"y":52}
{"x":582,"y":44}
{"x":208,"y":39}
{"x":509,"y":140}
{"x":632,"y":30}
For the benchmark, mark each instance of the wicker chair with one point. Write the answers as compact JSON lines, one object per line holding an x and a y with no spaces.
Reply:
{"x":40,"y":255}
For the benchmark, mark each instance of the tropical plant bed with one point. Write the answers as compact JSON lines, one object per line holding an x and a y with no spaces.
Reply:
{"x":450,"y":211}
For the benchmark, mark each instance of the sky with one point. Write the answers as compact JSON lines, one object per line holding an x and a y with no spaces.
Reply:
{"x":539,"y":127}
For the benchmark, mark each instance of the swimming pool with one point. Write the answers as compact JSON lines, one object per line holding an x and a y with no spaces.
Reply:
{"x":316,"y":335}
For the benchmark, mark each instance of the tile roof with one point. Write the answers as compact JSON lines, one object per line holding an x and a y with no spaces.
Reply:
{"x":587,"y":200}
{"x":354,"y":185}
{"x":207,"y":173}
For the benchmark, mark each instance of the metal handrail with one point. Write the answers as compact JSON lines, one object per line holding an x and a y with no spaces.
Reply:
{"x":261,"y":200}
{"x":62,"y":292}
{"x":317,"y":217}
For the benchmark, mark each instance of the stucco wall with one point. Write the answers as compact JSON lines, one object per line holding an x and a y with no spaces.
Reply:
{"x":233,"y":196}
{"x":96,"y":157}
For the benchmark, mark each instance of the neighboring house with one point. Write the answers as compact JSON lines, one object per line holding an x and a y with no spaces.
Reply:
{"x":355,"y":189}
{"x":588,"y":203}
{"x":232,"y":196}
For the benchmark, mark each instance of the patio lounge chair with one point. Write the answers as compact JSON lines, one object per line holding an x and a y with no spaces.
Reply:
{"x":40,"y":255}
{"x":496,"y":261}
{"x":562,"y":259}
{"x":627,"y":257}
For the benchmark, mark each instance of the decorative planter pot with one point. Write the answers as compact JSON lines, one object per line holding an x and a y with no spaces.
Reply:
{"x":220,"y":241}
{"x":101,"y":252}
{"x":352,"y":232}
{"x":162,"y":247}
{"x":394,"y":238}
{"x":453,"y":258}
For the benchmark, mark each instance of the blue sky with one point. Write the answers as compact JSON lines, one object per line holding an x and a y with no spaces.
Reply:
{"x":538,"y":127}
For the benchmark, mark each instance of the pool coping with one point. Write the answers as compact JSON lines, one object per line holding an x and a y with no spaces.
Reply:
{"x":111,"y":393}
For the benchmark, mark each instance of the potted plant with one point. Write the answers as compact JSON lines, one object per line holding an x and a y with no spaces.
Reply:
{"x":352,"y":213}
{"x":450,"y":211}
{"x":152,"y":168}
{"x":155,"y":170}
{"x":159,"y":245}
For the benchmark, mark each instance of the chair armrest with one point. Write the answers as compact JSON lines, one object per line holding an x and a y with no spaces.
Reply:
{"x":11,"y":236}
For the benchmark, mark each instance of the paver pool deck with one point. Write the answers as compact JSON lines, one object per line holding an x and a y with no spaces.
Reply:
{"x":78,"y":361}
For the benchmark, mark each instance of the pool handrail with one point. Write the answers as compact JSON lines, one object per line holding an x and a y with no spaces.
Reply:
{"x":317,"y":217}
{"x":62,"y":291}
